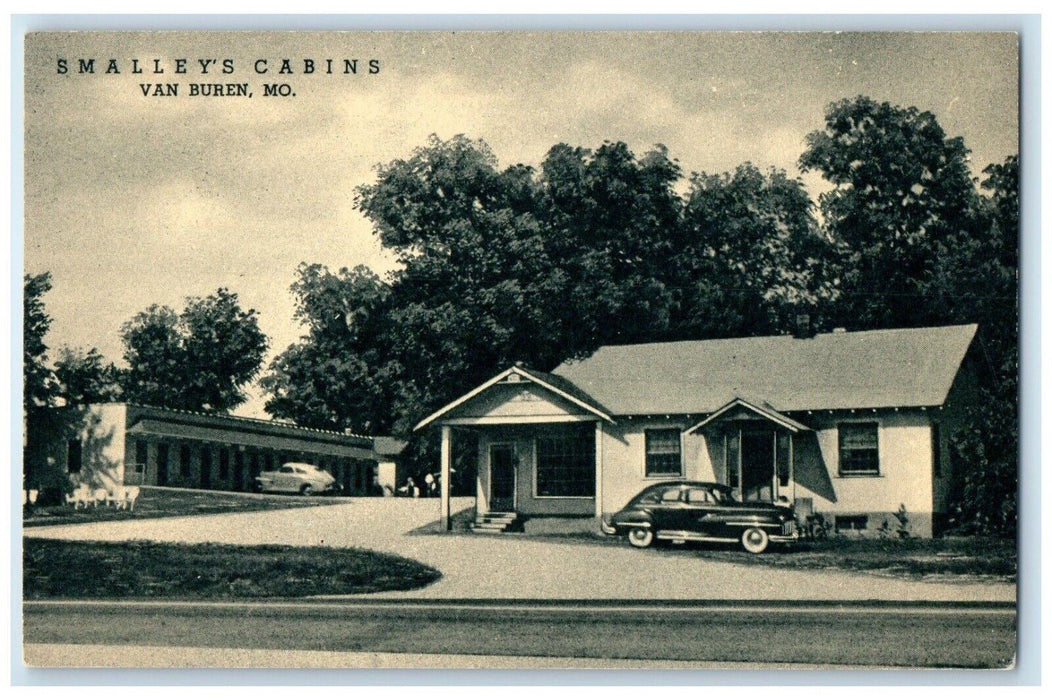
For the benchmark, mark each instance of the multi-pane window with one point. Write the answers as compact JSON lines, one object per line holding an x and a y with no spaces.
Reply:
{"x":663,"y":452}
{"x":859,"y":454}
{"x":566,"y":464}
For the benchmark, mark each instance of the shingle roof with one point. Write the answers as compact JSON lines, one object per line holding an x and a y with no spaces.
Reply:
{"x":388,"y":446}
{"x":868,"y":369}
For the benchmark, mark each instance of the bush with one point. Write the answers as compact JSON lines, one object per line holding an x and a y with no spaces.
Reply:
{"x":987,"y":449}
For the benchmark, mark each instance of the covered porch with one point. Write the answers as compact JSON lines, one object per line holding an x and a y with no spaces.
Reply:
{"x":752,"y":448}
{"x":539,"y":446}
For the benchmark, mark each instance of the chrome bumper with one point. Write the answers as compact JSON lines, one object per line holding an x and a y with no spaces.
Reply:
{"x":607,"y":529}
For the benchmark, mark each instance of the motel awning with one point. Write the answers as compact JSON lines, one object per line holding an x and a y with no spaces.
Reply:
{"x":179,"y":431}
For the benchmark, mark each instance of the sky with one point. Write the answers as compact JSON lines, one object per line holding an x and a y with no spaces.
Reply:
{"x":133,"y":200}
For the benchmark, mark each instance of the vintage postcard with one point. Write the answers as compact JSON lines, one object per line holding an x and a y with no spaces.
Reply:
{"x":520,"y":350}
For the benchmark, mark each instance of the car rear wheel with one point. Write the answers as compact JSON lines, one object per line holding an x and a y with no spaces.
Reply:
{"x":641,"y":537}
{"x":755,"y":540}
{"x":306,"y":490}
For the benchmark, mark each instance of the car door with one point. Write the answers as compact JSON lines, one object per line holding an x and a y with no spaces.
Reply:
{"x":669,"y":511}
{"x":285,"y":479}
{"x":703,"y":512}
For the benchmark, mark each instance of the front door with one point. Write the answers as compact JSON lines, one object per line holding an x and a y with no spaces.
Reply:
{"x":502,"y":478}
{"x":758,"y":466}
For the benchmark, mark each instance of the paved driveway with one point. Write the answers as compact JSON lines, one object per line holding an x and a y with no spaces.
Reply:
{"x":476,"y":566}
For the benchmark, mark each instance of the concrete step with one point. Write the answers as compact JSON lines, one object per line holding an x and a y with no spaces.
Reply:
{"x":496,"y":522}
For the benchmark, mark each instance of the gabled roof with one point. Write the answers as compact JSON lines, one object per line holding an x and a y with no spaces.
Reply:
{"x":869,"y":369}
{"x":555,"y":384}
{"x":760,"y":408}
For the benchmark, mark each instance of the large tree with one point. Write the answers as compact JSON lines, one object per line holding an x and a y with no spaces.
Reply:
{"x":902,"y":191}
{"x":506,"y":265}
{"x":752,"y":256}
{"x":85,"y":377}
{"x":38,"y":381}
{"x":200,"y":358}
{"x":612,"y":223}
{"x":477,"y":289}
{"x":337,"y":376}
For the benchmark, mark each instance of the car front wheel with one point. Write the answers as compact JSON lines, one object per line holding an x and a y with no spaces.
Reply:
{"x":755,"y":540}
{"x":641,"y":537}
{"x":306,"y":490}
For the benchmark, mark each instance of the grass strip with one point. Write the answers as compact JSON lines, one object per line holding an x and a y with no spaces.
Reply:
{"x":916,"y":558}
{"x":153,"y":570}
{"x":161,"y":502}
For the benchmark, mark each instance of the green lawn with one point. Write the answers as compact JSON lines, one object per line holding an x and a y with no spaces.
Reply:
{"x":149,"y":570}
{"x":949,"y":558}
{"x":952,"y":558}
{"x":159,"y":502}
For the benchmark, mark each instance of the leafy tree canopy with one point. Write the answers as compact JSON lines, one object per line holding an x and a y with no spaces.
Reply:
{"x":201,"y":358}
{"x":901,"y":191}
{"x":38,"y":381}
{"x":85,"y":377}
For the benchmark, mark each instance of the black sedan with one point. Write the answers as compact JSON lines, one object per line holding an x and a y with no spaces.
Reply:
{"x":703,"y":512}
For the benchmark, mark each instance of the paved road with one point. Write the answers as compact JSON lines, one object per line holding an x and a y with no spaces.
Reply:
{"x":639,"y":634}
{"x":511,"y":567}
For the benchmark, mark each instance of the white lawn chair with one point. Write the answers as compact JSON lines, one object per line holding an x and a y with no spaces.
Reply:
{"x":128,"y":498}
{"x":80,"y":497}
{"x":100,"y":495}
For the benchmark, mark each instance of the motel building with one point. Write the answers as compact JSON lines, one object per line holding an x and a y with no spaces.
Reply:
{"x":113,"y":444}
{"x":849,"y":425}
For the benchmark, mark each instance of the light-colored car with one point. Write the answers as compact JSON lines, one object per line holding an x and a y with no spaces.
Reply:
{"x":296,"y":477}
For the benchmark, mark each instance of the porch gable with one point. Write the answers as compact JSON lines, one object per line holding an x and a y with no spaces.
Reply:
{"x":517,"y":395}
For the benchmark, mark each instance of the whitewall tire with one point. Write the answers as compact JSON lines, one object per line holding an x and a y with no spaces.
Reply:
{"x":755,"y":540}
{"x":641,"y":537}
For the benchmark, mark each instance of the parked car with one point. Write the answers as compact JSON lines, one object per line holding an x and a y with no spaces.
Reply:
{"x":296,"y":477}
{"x":704,"y":512}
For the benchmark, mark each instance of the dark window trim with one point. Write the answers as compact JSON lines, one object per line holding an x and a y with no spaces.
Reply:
{"x":840,"y":450}
{"x":649,"y":473}
{"x":586,"y":476}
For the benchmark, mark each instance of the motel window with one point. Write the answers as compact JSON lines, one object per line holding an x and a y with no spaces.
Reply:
{"x":74,"y":456}
{"x":140,"y":456}
{"x":566,"y":464}
{"x":663,"y":452}
{"x":224,"y":464}
{"x":859,"y":454}
{"x":936,"y":451}
{"x":184,"y":461}
{"x":162,"y":464}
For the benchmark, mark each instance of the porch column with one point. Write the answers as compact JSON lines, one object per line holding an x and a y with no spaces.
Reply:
{"x":446,"y":457}
{"x":599,"y":469}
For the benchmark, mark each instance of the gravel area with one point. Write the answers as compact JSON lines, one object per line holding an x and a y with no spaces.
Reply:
{"x":516,"y":567}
